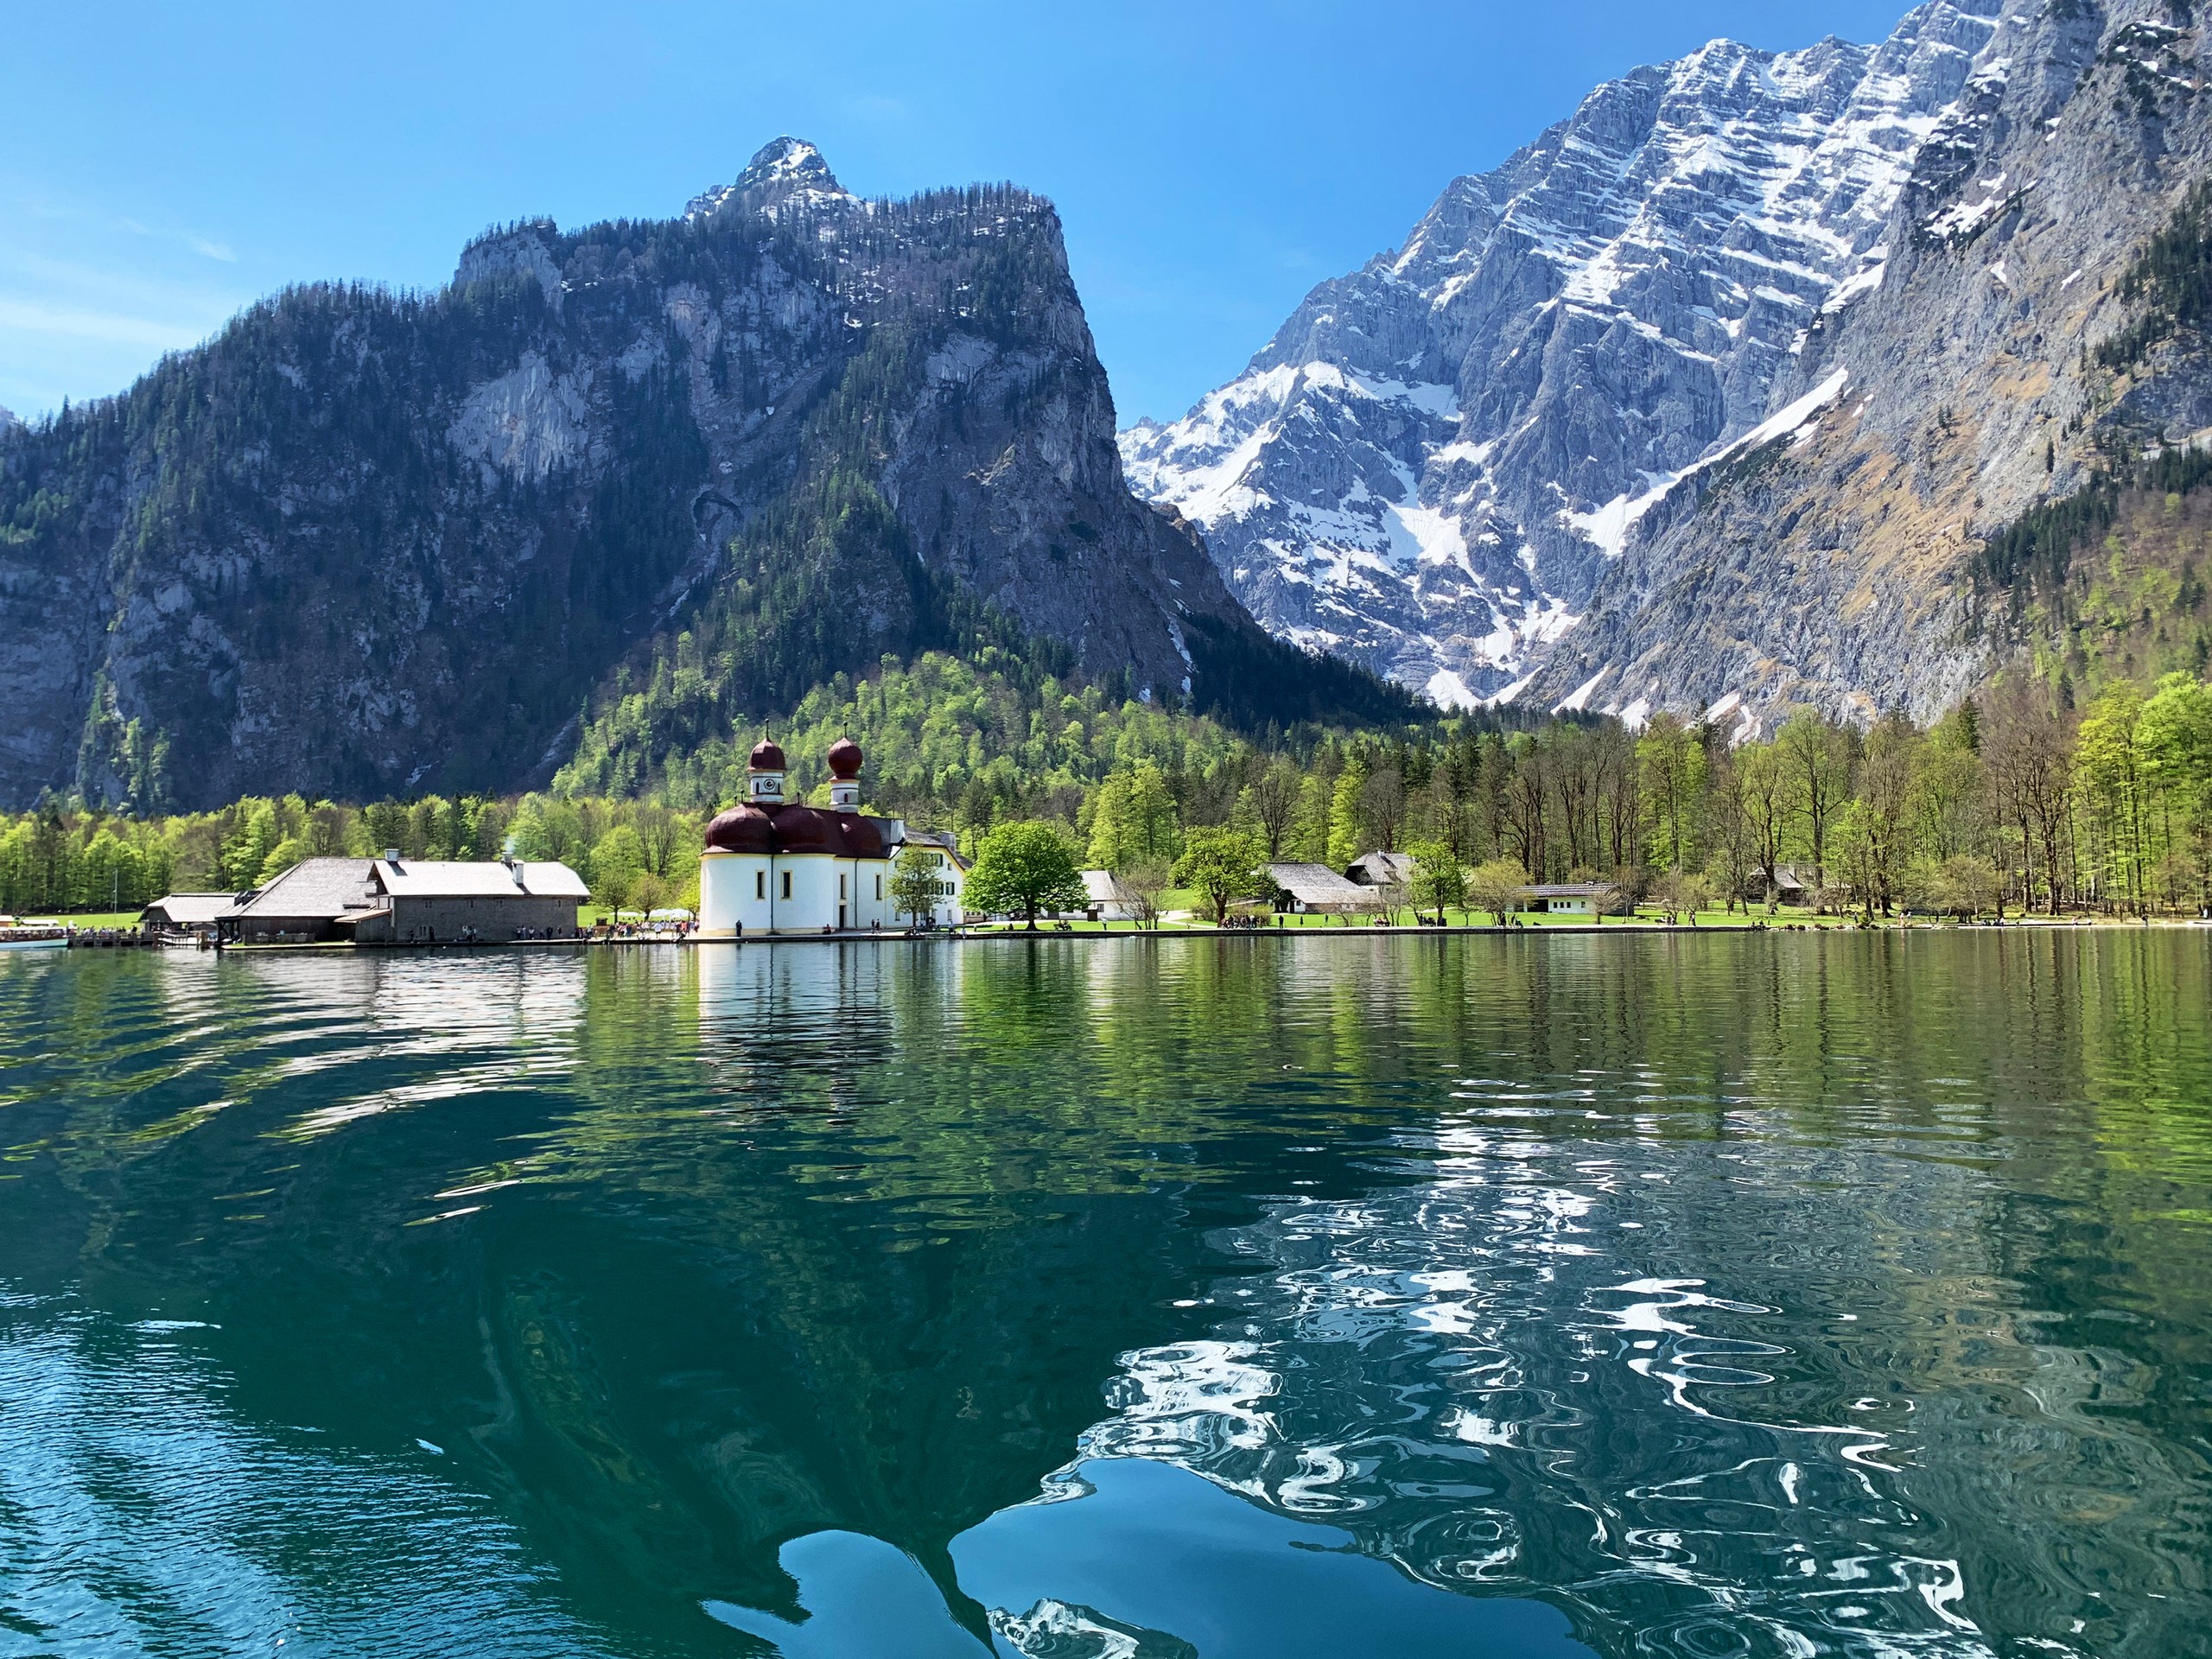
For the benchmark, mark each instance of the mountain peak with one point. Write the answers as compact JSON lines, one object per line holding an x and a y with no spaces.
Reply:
{"x":790,"y":164}
{"x":783,"y":171}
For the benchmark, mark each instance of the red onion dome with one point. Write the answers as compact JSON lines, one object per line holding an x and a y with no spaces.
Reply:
{"x":767,"y":756}
{"x":741,"y":830}
{"x":862,"y":837}
{"x":845,"y":759}
{"x":803,"y":830}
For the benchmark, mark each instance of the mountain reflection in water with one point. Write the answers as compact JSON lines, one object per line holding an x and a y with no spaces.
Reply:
{"x":1785,"y":1295}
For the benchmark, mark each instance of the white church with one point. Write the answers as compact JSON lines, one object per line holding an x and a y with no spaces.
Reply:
{"x":773,"y":867}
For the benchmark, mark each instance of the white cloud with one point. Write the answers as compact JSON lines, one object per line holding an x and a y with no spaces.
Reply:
{"x":199,"y":244}
{"x":115,"y":329}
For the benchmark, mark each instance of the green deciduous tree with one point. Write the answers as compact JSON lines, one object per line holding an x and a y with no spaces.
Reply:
{"x":1344,"y":829}
{"x":2108,"y":764}
{"x":915,"y":880}
{"x":1814,"y":756}
{"x":1147,"y":882}
{"x":1271,"y":801}
{"x":1025,"y":867}
{"x":1670,"y":762}
{"x":1499,"y":887}
{"x":1224,"y":864}
{"x":1966,"y":884}
{"x":1439,"y":879}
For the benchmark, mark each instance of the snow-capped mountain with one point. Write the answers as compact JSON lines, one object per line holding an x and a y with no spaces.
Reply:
{"x":2022,"y":337}
{"x":1434,"y":460}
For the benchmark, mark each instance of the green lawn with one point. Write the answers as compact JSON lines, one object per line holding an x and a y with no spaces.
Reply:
{"x":1456,"y":918}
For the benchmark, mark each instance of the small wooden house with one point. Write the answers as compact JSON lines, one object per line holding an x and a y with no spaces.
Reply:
{"x":185,"y":913}
{"x":1315,"y":889}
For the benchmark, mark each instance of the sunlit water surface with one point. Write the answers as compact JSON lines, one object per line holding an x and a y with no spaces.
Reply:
{"x":1255,"y":1299}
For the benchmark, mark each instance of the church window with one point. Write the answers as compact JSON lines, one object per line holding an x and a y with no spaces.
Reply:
{"x":787,"y":884}
{"x":760,"y":884}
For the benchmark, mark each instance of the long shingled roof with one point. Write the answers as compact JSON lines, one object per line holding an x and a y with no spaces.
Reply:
{"x":320,"y":888}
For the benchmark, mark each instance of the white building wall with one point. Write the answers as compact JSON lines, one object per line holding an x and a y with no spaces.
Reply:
{"x":732,"y":889}
{"x":871,"y":878}
{"x":812,"y":904}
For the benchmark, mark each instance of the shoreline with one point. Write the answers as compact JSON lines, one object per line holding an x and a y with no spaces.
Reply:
{"x":1637,"y":929}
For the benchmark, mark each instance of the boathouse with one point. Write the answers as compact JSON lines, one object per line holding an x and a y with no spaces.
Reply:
{"x":185,"y":913}
{"x":438,"y":901}
{"x":301,"y":906}
{"x":391,"y":900}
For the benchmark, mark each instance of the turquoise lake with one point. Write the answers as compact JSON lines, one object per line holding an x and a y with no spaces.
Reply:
{"x":1248,"y":1298}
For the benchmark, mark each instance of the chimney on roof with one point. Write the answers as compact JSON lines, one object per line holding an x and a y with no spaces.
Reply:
{"x":392,"y":855}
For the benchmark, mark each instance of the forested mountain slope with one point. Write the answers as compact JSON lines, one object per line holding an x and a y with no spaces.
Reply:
{"x":363,"y":543}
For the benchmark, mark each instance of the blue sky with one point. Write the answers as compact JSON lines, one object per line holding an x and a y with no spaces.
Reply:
{"x":166,"y":165}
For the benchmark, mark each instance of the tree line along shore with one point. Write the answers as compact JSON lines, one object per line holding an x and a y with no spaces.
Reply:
{"x":2012,"y":802}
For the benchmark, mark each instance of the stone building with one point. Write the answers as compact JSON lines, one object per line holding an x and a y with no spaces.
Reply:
{"x":433,"y":901}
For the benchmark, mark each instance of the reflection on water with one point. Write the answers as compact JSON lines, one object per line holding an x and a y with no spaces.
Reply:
{"x":1787,"y":1295}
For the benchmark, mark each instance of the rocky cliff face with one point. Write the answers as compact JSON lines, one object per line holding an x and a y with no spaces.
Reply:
{"x":1988,"y":368}
{"x":1432,"y":464}
{"x":363,"y":543}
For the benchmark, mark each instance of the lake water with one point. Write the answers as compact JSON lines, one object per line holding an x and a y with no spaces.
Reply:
{"x":1253,"y":1299}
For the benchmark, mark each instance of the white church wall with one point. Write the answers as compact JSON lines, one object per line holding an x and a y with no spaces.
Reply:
{"x":733,"y":890}
{"x":812,"y":903}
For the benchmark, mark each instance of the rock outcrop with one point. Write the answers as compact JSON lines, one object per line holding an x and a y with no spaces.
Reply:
{"x":1710,"y":399}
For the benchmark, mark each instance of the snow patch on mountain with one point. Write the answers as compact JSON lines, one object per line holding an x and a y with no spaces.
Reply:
{"x":786,"y":175}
